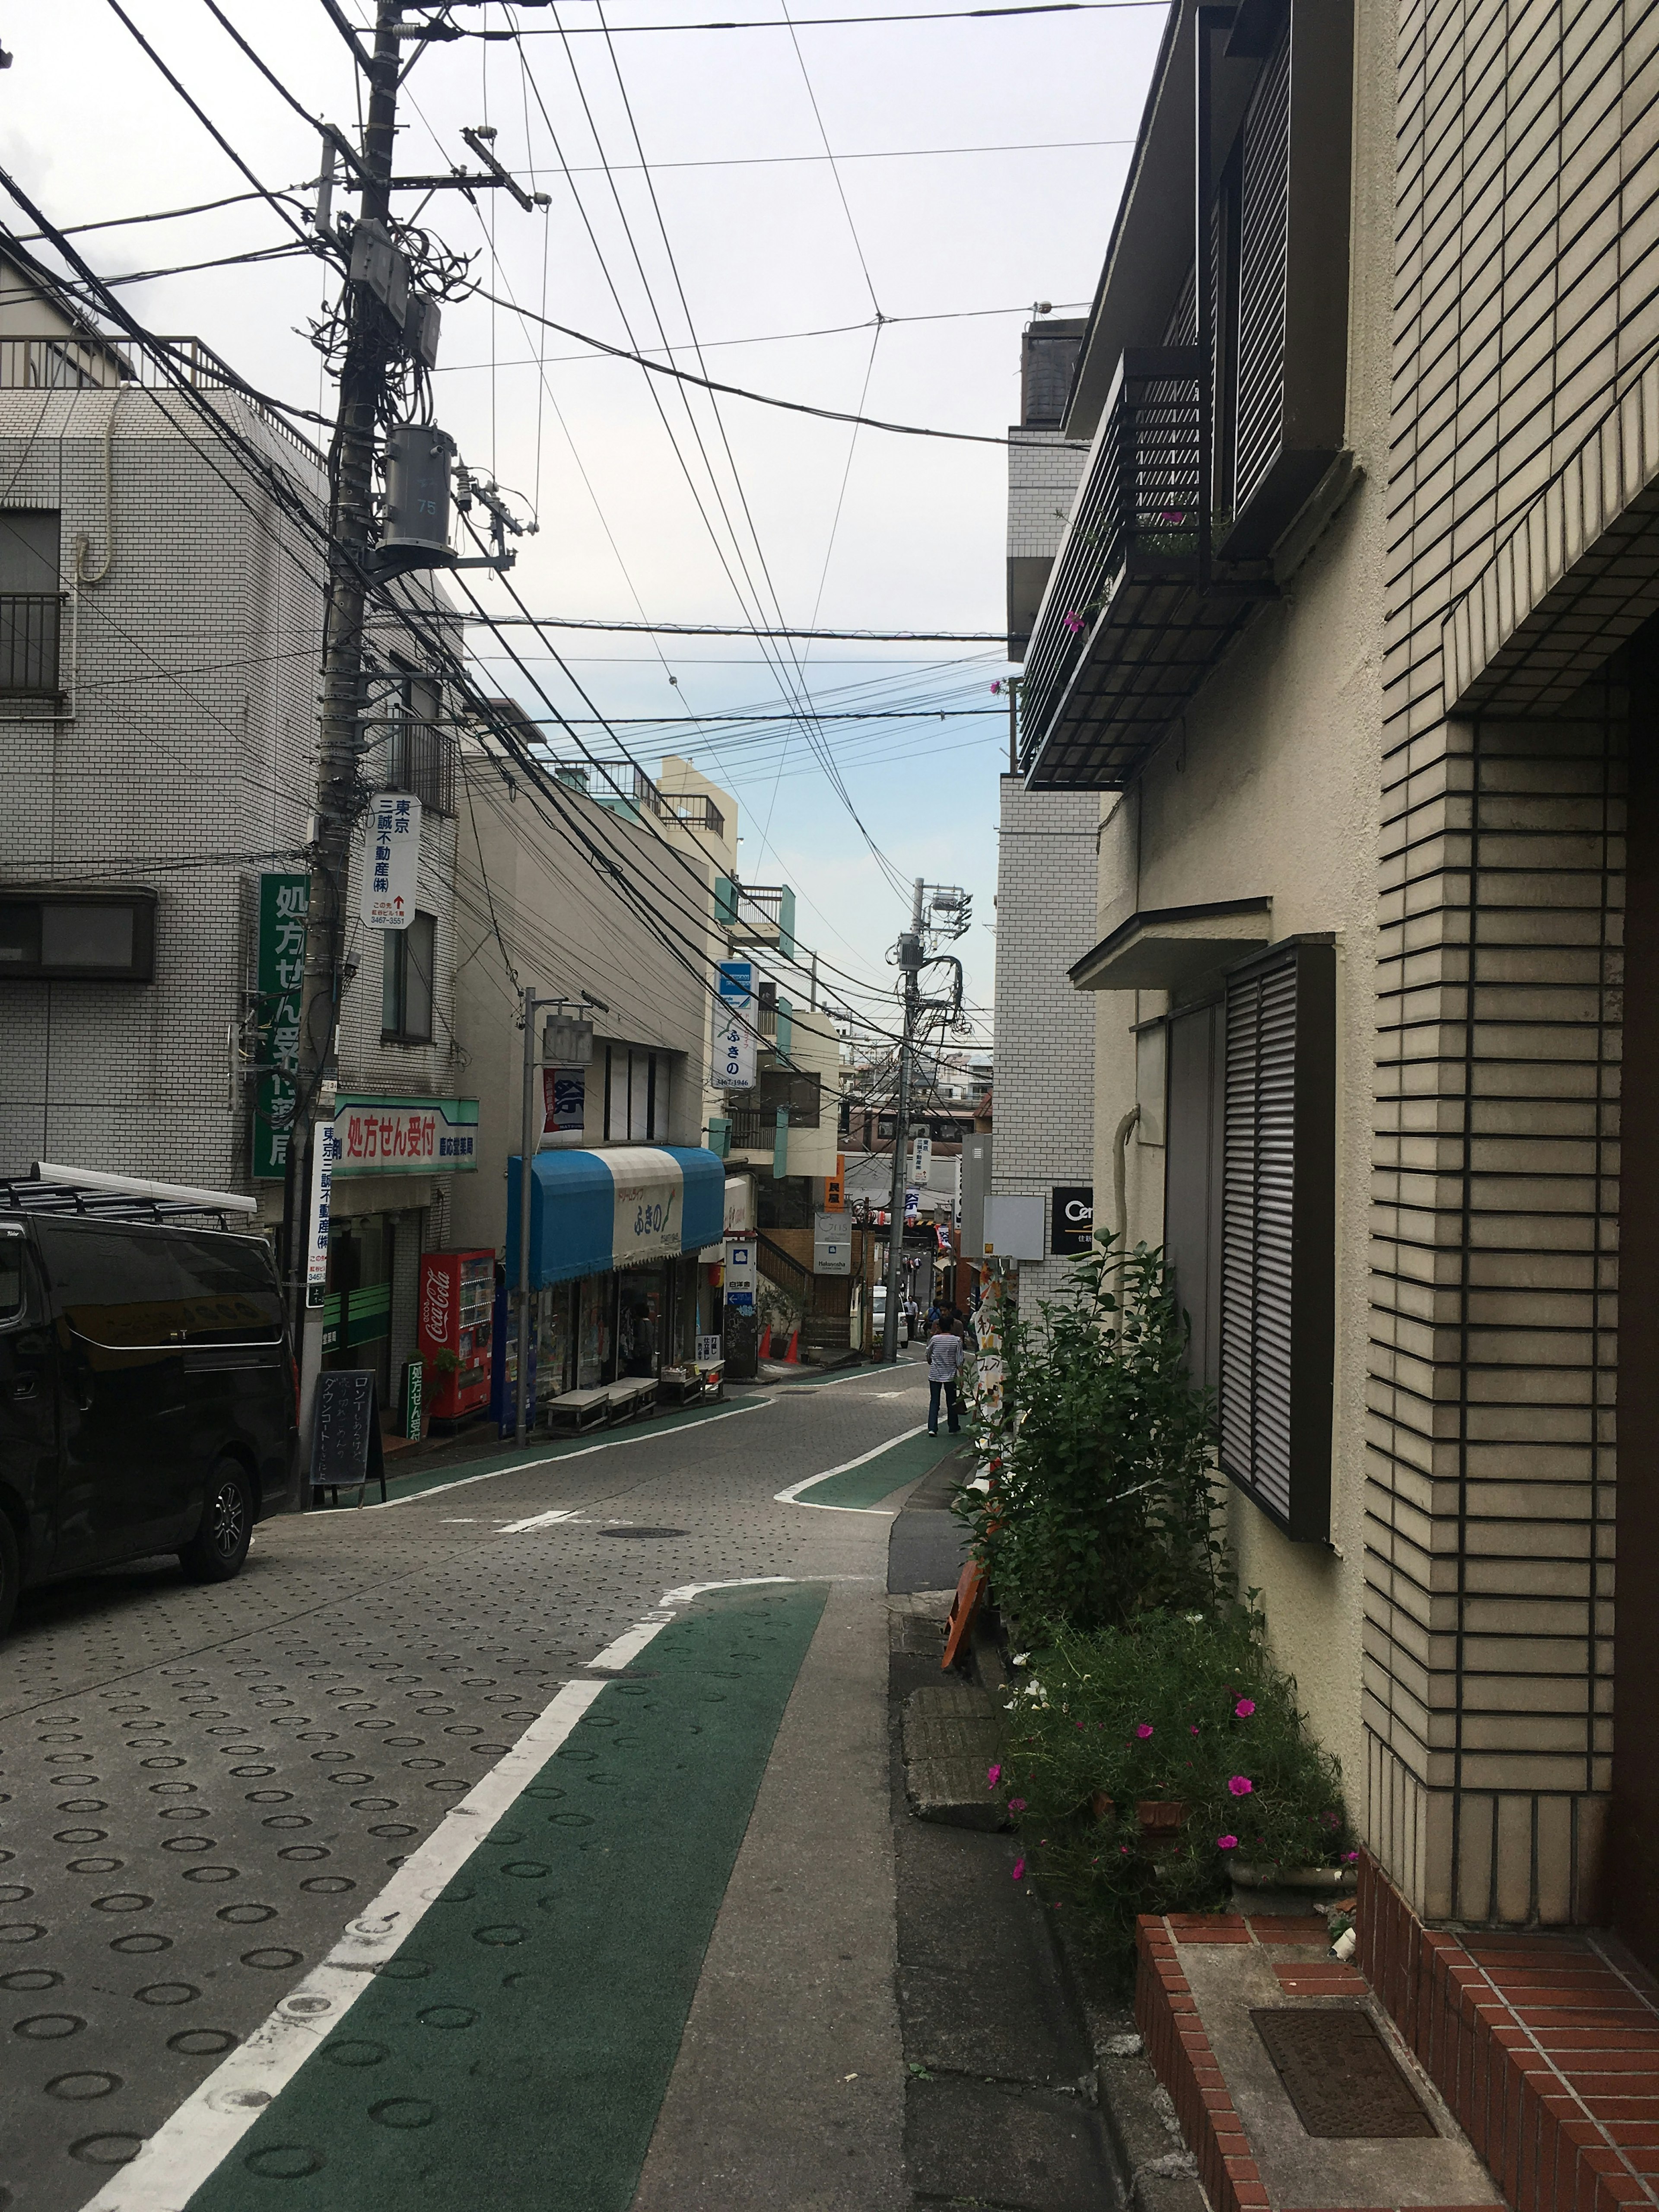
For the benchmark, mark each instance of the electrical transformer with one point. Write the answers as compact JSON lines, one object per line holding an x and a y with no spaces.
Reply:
{"x":418,"y":461}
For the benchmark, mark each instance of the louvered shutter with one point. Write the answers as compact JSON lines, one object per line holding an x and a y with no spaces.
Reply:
{"x":1264,"y":241}
{"x":1278,"y":1275}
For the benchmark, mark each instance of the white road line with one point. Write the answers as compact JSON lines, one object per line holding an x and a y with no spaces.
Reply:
{"x":176,"y":2161}
{"x":793,"y":1497}
{"x":558,"y":1459}
{"x":539,"y":1520}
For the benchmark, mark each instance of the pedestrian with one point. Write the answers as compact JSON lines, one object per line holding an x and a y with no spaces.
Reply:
{"x":943,"y":1365}
{"x":909,"y":1321}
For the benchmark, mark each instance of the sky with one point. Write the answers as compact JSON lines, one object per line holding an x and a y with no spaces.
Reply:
{"x":767,"y":193}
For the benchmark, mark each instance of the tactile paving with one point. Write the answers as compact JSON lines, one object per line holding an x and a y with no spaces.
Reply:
{"x":199,"y":1786}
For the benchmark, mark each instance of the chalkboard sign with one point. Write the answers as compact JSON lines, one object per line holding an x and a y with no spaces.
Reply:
{"x":345,"y":1435}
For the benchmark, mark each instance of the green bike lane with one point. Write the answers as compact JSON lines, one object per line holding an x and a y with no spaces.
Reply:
{"x":514,"y":2046}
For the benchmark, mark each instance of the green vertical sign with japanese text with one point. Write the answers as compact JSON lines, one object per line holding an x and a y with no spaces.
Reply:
{"x":283,"y":903}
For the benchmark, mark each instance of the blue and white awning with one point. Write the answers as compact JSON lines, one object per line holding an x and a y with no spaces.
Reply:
{"x":591,"y":1212}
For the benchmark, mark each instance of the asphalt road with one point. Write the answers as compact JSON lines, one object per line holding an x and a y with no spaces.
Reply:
{"x":355,"y":1880}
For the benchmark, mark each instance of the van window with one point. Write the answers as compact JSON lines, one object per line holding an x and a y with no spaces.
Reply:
{"x":229,"y":1287}
{"x":116,"y":1287}
{"x":11,"y":1273}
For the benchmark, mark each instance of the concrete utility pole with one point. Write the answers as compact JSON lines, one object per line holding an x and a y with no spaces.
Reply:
{"x":370,"y":341}
{"x":909,"y":954}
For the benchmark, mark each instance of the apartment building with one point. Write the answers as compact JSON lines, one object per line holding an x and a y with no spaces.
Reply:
{"x":1349,"y":641}
{"x":160,"y":613}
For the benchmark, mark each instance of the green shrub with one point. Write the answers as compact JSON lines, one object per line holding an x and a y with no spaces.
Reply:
{"x":1103,"y":1500}
{"x":1186,"y":1708}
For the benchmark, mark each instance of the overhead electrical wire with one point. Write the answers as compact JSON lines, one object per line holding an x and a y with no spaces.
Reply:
{"x":723,"y":630}
{"x":832,"y":22}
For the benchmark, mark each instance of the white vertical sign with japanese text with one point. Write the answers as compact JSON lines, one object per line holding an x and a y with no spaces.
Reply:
{"x":734,"y":1034}
{"x":391,"y":864}
{"x":322,"y":1184}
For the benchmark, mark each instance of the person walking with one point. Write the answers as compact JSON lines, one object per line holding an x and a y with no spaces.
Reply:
{"x":943,"y":1366}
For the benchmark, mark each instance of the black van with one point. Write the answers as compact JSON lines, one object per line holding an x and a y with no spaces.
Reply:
{"x":147,"y":1396}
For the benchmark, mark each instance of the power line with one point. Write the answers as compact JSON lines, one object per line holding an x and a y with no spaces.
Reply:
{"x":832,"y":22}
{"x":728,"y":629}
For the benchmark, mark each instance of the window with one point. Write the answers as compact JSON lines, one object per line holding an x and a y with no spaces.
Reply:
{"x":406,"y":988}
{"x":11,"y":1273}
{"x":31,"y":601}
{"x":77,"y":936}
{"x":1190,"y":1118}
{"x":1278,"y":1233}
{"x":637,"y":1091}
{"x":418,"y":755}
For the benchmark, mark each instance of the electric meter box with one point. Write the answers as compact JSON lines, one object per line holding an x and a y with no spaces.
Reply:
{"x":418,"y":461}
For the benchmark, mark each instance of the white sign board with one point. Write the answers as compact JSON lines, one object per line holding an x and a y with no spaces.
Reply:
{"x":646,"y":1217}
{"x":733,"y":1067}
{"x":921,"y":1160}
{"x":832,"y":1245}
{"x":392,"y":865}
{"x":711,"y":1350}
{"x":1013,"y":1227}
{"x":322,"y":1184}
{"x":741,"y":1274}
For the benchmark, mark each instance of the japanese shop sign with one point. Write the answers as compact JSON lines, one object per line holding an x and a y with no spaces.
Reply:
{"x":405,"y":1136}
{"x":392,"y":863}
{"x":280,"y":971}
{"x":564,"y":1106}
{"x":733,"y":1067}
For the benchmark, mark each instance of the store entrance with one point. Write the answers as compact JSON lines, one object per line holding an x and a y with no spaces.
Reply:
{"x":358,"y":1305}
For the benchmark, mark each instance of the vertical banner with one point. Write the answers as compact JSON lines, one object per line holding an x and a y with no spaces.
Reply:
{"x":734,"y":1034}
{"x":564,"y":1107}
{"x":392,"y":865}
{"x":324,"y":1152}
{"x":280,"y":983}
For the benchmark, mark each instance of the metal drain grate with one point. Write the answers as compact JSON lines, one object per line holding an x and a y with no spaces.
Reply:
{"x":1340,"y":2073}
{"x":643,"y":1532}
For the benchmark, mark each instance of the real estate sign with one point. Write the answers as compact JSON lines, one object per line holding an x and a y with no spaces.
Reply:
{"x":733,"y":1067}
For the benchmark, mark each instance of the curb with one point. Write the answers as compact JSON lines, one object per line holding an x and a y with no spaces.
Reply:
{"x":1156,"y":2170}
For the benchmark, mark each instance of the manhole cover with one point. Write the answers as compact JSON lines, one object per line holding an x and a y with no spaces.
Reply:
{"x":643,"y":1532}
{"x":1341,"y":2076}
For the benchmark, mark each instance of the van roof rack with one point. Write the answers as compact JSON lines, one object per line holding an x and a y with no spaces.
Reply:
{"x":94,"y":1195}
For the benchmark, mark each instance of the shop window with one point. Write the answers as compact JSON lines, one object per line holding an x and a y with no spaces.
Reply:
{"x":406,"y":987}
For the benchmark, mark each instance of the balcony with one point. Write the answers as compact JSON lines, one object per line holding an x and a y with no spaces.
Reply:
{"x":757,"y":913}
{"x":30,"y":626}
{"x":1138,"y":608}
{"x":696,"y":808}
{"x":84,"y":360}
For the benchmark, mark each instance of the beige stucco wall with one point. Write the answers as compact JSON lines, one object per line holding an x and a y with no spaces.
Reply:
{"x":1270,"y":785}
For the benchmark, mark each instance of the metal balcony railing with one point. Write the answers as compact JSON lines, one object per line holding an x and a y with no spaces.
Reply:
{"x":31,"y":623}
{"x":62,"y":362}
{"x":1138,"y":505}
{"x":696,"y":808}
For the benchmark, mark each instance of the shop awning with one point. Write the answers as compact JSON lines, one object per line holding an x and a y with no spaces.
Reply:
{"x":591,"y":1212}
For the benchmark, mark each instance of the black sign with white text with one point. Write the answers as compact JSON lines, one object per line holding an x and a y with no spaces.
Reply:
{"x":1070,"y":1218}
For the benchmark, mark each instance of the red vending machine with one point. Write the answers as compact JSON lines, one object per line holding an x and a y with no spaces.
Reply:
{"x":457,"y":1300}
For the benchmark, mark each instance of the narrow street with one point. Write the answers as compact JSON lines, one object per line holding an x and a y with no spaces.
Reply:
{"x":381,"y":1771}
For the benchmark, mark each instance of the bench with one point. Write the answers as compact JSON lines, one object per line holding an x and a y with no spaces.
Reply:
{"x":578,"y":1410}
{"x":633,"y":1395}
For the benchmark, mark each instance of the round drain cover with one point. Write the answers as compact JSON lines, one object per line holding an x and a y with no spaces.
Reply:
{"x":643,"y":1532}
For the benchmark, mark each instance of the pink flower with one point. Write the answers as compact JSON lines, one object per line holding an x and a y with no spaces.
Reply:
{"x":1227,"y":1842}
{"x":1015,"y":1804}
{"x":1351,"y":1859}
{"x":1241,"y":1785}
{"x":1074,"y":623}
{"x":1019,"y":1868}
{"x":1079,"y":1728}
{"x":1243,"y":1709}
{"x":1144,"y":1730}
{"x":1124,"y":1849}
{"x":992,"y":1776}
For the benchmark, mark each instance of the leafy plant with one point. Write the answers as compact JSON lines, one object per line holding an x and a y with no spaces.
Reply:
{"x":1183,"y":1708}
{"x":1102,"y":1505}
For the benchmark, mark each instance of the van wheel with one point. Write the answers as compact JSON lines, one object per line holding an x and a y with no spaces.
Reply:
{"x":216,"y":1551}
{"x":10,"y":1574}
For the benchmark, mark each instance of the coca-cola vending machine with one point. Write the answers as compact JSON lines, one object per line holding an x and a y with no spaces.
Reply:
{"x":458,"y":1299}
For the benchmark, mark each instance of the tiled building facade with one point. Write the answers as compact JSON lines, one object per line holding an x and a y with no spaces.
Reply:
{"x":1419,"y":732}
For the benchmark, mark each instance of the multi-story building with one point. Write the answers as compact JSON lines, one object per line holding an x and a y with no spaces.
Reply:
{"x":1350,"y":640}
{"x":1043,"y":1152}
{"x":160,"y":613}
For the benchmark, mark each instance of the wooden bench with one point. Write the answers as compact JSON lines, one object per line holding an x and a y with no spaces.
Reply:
{"x":577,"y":1410}
{"x":630,"y":1397}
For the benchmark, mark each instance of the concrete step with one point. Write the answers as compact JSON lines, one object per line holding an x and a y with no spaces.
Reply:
{"x":949,"y":1737}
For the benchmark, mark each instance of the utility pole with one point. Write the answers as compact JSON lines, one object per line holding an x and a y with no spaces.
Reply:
{"x":910,"y":954}
{"x":369,"y":341}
